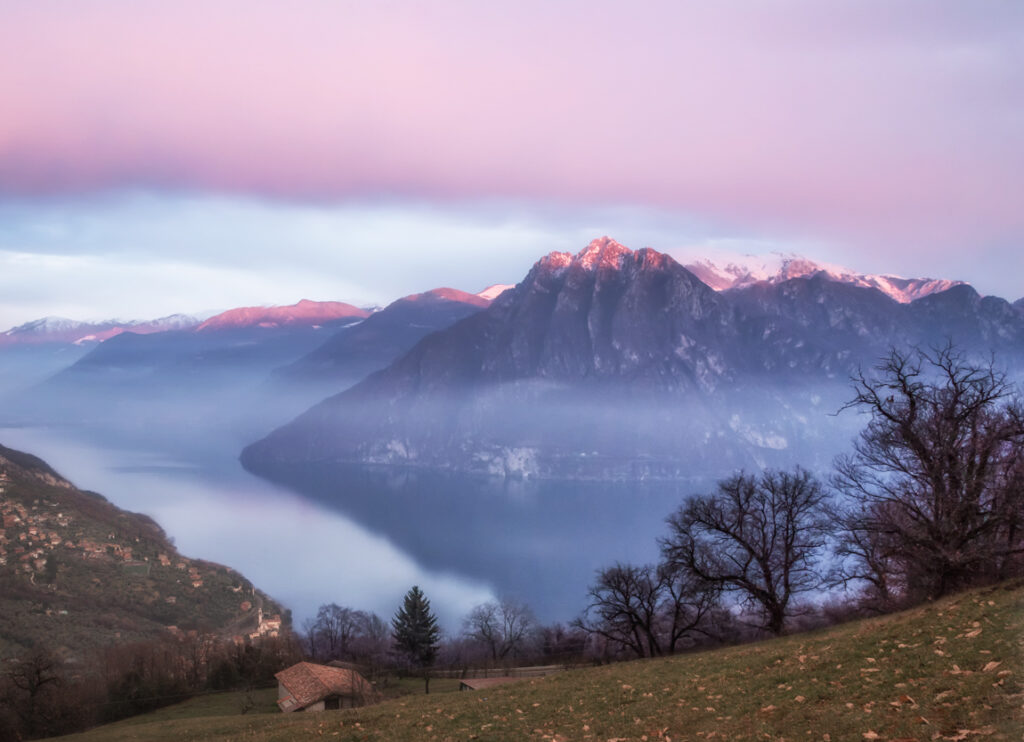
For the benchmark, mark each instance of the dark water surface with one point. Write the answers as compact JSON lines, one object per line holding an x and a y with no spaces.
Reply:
{"x":361,"y":536}
{"x":540,"y":541}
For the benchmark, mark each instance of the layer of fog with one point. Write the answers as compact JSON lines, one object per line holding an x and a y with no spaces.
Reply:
{"x":296,"y":550}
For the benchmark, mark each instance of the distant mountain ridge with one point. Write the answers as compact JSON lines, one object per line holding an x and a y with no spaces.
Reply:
{"x":59,"y":330}
{"x":304,"y":313}
{"x":622,"y":363}
{"x":352,"y":353}
{"x":741,"y":272}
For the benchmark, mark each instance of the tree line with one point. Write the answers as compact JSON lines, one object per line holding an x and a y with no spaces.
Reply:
{"x":44,"y":694}
{"x":929,"y":501}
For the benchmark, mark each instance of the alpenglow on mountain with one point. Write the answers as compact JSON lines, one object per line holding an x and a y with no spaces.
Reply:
{"x":614,"y":363}
{"x":749,"y":270}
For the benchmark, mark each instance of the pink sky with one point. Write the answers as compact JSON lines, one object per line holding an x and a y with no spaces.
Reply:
{"x":887,"y":120}
{"x":883,"y":134}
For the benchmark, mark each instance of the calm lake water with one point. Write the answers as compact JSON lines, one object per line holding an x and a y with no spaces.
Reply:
{"x":361,"y":537}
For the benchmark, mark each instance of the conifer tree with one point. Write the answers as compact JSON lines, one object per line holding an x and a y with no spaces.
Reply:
{"x":416,"y":633}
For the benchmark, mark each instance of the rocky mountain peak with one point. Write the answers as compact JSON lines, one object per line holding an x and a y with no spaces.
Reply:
{"x":603,"y":252}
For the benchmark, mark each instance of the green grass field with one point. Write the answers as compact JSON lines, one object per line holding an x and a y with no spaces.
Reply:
{"x":947,"y":671}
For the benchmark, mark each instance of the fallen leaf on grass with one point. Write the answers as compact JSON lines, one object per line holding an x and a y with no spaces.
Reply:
{"x":991,"y":666}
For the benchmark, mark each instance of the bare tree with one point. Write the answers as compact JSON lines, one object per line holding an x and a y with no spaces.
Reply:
{"x":687,"y":604}
{"x":647,"y":610}
{"x":371,"y":643}
{"x":565,"y":644}
{"x":334,"y":629}
{"x":309,"y":631}
{"x":757,"y":536}
{"x":502,"y":626}
{"x":933,"y":490}
{"x":866,"y":557}
{"x":32,"y":680}
{"x":623,"y":603}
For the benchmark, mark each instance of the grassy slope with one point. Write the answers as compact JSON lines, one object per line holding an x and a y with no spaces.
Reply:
{"x":951,"y":670}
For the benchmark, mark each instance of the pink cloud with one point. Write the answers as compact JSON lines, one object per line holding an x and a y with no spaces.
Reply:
{"x":864,"y":120}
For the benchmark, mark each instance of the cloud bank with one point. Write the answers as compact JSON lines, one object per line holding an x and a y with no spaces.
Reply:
{"x":877,"y":122}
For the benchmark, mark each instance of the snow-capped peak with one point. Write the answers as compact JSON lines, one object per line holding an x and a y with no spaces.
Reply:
{"x":742,"y":271}
{"x":493,"y":292}
{"x":45,"y":325}
{"x":62,"y":330}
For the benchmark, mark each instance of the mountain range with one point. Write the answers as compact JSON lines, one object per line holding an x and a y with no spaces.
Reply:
{"x":624,"y":364}
{"x":610,"y":363}
{"x":748,"y":270}
{"x":215,"y":385}
{"x":59,"y":330}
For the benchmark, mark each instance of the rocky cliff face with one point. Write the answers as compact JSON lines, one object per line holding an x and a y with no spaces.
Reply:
{"x":621,"y":363}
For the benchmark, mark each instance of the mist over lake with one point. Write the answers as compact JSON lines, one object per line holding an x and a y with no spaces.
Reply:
{"x":360,"y":536}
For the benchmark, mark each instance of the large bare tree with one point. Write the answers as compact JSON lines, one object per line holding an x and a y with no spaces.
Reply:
{"x":649,"y":610}
{"x":757,"y":536}
{"x":502,"y":626}
{"x":934,"y":489}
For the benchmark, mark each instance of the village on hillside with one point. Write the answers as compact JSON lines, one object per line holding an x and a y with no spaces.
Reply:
{"x":40,"y":539}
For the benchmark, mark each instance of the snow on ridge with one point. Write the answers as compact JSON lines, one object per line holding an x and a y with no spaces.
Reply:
{"x":742,"y":271}
{"x":305,"y":312}
{"x":494,"y":291}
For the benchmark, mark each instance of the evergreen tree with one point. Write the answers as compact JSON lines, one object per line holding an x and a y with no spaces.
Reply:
{"x":416,"y":633}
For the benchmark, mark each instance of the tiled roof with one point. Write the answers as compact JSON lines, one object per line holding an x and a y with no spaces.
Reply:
{"x":308,"y":683}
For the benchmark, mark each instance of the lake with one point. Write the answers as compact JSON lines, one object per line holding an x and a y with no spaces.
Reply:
{"x":362,"y":536}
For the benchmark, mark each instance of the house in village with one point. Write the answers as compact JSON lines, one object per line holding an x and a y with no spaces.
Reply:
{"x":310,"y":687}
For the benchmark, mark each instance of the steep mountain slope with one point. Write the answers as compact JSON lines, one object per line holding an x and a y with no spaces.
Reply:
{"x":78,"y":572}
{"x":355,"y":351}
{"x":615,"y":363}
